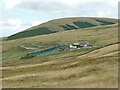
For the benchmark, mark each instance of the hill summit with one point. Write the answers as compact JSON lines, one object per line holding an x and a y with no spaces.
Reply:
{"x":63,"y":24}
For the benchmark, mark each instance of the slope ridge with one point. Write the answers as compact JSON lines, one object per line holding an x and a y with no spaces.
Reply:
{"x":63,"y":24}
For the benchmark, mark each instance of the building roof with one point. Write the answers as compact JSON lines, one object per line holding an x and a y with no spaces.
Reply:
{"x":76,"y":44}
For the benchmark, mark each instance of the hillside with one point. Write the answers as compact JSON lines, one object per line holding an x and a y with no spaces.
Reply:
{"x":92,"y":72}
{"x":63,"y":24}
{"x":95,"y":67}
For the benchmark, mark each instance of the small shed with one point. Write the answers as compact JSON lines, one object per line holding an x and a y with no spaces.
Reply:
{"x":88,"y":45}
{"x":74,"y":45}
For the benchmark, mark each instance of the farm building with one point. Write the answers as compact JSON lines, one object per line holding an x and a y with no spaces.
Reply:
{"x":80,"y":45}
{"x":74,"y":45}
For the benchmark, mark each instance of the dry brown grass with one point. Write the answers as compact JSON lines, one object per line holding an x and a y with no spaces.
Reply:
{"x":97,"y":69}
{"x":92,"y":72}
{"x":91,"y":75}
{"x":106,"y":51}
{"x":54,"y":24}
{"x":100,"y":35}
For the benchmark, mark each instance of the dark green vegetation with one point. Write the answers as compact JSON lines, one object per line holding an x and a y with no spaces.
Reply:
{"x":31,"y":33}
{"x":64,"y":24}
{"x":105,"y":22}
{"x":27,"y":56}
{"x":84,"y":24}
{"x":68,"y":27}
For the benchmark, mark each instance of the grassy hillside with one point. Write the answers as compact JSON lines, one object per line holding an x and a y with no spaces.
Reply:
{"x":95,"y":67}
{"x":31,"y":33}
{"x":100,"y":35}
{"x":62,"y":25}
{"x":75,"y":71}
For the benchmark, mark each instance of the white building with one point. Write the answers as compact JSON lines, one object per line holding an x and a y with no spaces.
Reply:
{"x":74,"y":45}
{"x":78,"y":45}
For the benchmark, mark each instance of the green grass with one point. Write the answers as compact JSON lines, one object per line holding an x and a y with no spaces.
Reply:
{"x":84,"y":24}
{"x":9,"y":60}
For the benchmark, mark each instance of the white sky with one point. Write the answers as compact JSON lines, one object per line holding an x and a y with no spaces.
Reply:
{"x":17,"y":15}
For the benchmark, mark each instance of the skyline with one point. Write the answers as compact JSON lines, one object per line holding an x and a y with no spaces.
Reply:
{"x":18,"y":15}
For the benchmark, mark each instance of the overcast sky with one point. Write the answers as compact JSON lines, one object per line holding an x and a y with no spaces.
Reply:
{"x":17,"y":15}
